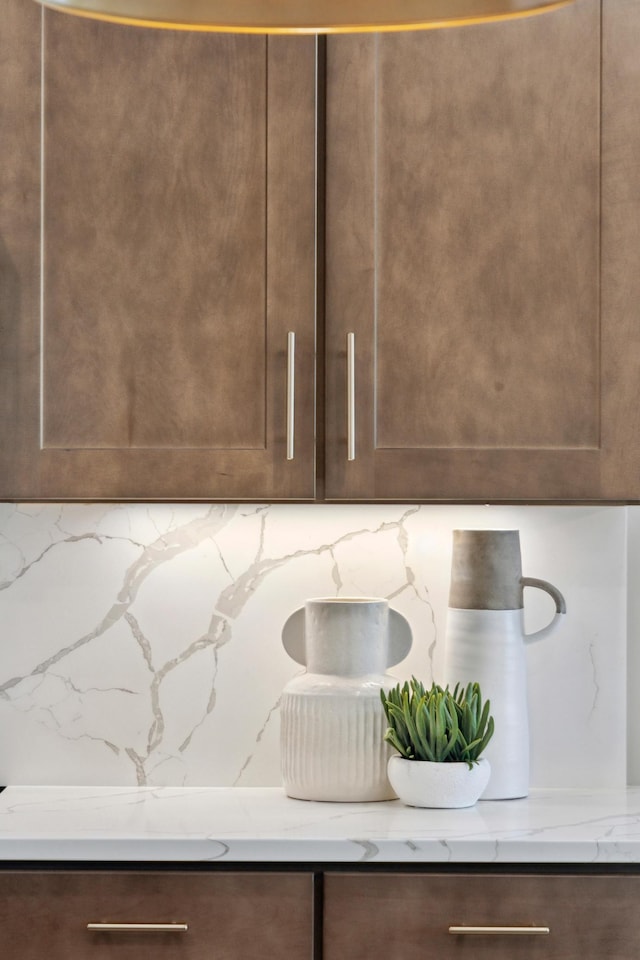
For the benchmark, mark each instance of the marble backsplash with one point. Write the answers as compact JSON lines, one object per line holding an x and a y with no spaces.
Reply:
{"x":140,"y":644}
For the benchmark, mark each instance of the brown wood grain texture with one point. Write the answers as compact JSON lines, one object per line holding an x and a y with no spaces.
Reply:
{"x":178,"y":251}
{"x":19,"y":242}
{"x":463,"y":247}
{"x":409,"y":916}
{"x":229,"y":917}
{"x":350,"y":236}
{"x":621,"y":249}
{"x":487,"y":237}
{"x":290,"y":256}
{"x":476,"y":290}
{"x":154,"y":238}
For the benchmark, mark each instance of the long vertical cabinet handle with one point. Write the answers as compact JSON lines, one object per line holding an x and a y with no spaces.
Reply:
{"x":351,"y":396}
{"x":500,"y":931}
{"x":291,"y":394}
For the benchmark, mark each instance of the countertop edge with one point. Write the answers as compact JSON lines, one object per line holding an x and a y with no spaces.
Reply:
{"x":262,"y":825}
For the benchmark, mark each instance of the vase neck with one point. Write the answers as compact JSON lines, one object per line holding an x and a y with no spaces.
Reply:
{"x":346,"y":638}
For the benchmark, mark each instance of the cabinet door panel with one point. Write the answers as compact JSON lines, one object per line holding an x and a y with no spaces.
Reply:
{"x":229,"y":917}
{"x":463,"y":227}
{"x":408,"y":917}
{"x":152,"y":240}
{"x":178,"y":251}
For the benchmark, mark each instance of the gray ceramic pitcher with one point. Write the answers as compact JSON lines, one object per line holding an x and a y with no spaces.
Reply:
{"x":486,"y":642}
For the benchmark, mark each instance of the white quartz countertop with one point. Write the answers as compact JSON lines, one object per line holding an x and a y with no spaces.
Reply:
{"x":264,"y":826}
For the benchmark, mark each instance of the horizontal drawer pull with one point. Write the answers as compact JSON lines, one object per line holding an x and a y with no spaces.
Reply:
{"x":138,"y":927}
{"x":498,"y":931}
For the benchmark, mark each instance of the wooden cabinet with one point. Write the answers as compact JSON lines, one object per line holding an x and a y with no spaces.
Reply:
{"x":480,"y":235}
{"x":175,"y":218}
{"x":228,"y":916}
{"x":482,"y":245}
{"x":279,"y":915}
{"x":408,"y":917}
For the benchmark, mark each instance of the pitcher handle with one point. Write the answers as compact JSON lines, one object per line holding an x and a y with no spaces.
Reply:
{"x":561,"y":606}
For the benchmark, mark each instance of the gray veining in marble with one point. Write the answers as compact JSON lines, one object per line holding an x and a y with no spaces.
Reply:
{"x":141,"y":643}
{"x":263,"y":825}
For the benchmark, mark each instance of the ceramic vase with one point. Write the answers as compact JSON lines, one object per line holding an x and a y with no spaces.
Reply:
{"x":485,"y":642}
{"x":420,"y":783}
{"x":332,"y":719}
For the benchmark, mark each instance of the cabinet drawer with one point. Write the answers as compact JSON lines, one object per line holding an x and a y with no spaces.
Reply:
{"x":407,"y":917}
{"x":239,"y":916}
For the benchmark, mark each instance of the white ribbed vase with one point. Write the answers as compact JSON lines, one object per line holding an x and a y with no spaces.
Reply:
{"x":332,"y":720}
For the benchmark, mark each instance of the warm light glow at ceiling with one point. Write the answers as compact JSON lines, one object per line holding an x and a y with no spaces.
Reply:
{"x":302,"y":16}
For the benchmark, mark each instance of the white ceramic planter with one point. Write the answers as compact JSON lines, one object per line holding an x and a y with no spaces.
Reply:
{"x":420,"y":783}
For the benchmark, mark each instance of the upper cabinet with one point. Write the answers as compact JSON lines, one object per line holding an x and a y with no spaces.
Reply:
{"x":178,"y":244}
{"x":480,"y":225}
{"x":487,"y":281}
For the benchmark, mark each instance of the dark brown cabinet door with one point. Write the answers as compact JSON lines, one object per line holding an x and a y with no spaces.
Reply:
{"x":465,"y":242}
{"x":177,"y":244}
{"x":410,"y":917}
{"x":193,"y":916}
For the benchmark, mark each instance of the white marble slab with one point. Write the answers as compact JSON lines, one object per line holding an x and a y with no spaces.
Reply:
{"x":140,"y":643}
{"x":263,"y":825}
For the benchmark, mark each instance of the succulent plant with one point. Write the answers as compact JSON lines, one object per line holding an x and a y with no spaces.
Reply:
{"x":436,"y":724}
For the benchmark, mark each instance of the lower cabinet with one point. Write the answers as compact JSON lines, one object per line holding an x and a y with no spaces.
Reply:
{"x":87,"y":915}
{"x":121,"y":914}
{"x":481,"y":917}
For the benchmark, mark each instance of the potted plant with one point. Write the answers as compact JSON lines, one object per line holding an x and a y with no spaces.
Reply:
{"x":439,"y":736}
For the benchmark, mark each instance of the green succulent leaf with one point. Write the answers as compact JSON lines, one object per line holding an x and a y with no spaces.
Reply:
{"x":437,"y":724}
{"x":391,"y":737}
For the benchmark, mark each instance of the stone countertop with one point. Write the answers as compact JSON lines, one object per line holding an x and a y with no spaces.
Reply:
{"x":262,"y":825}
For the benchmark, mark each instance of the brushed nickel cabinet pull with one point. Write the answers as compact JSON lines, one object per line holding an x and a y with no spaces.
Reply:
{"x":291,"y":393}
{"x":351,"y":396}
{"x":138,"y":927}
{"x":501,"y":931}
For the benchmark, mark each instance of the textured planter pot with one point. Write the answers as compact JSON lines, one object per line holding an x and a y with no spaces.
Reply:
{"x":332,"y":720}
{"x":332,"y":745}
{"x":420,"y":783}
